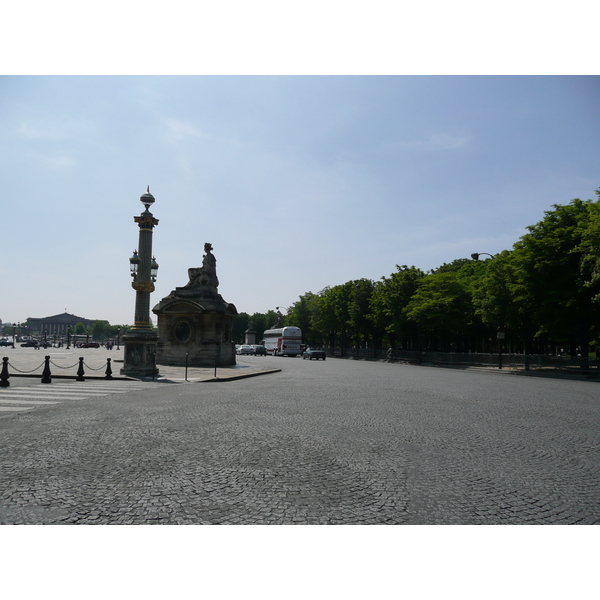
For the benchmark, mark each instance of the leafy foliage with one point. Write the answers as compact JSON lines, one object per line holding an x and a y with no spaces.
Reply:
{"x":545,"y":291}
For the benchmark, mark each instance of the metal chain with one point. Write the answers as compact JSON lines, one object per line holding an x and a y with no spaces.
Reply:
{"x":24,"y":372}
{"x":59,"y":367}
{"x":92,"y":369}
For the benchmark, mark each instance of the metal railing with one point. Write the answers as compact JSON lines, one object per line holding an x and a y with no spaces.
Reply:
{"x":509,"y":360}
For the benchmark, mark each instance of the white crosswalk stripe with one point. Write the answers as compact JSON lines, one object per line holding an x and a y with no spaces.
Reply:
{"x":17,"y":399}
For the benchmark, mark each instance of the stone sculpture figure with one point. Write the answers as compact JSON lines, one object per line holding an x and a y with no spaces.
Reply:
{"x":206,"y":275}
{"x":278,"y":320}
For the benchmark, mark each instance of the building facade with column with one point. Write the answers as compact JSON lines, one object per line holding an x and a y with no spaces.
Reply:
{"x":58,"y":324}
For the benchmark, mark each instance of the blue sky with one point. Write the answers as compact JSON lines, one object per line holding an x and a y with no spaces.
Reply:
{"x":299,"y":182}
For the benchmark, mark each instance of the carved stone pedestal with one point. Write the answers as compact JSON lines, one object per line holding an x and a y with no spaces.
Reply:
{"x":140,"y":354}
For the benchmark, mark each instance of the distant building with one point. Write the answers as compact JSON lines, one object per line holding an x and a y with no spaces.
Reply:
{"x":58,"y":324}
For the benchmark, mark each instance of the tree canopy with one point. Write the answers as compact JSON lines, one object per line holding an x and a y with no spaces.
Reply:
{"x":545,"y":292}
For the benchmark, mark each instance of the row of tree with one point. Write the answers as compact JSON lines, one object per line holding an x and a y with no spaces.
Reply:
{"x":545,"y":293}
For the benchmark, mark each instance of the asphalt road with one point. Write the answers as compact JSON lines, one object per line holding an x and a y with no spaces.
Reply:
{"x":327,"y":442}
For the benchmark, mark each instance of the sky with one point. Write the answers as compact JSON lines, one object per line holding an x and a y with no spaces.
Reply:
{"x":299,"y":182}
{"x":310,"y":144}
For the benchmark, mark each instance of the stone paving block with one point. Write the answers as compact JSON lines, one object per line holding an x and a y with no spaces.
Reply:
{"x":349,"y":444}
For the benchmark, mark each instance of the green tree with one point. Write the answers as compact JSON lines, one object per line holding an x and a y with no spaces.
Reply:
{"x":359,"y":299}
{"x":240,"y":325}
{"x":98,"y":330}
{"x":442,"y":307}
{"x":300,"y":314}
{"x":590,"y":247}
{"x":323,"y":318}
{"x":553,"y":274}
{"x":339,"y":298}
{"x":114,"y":331}
{"x":390,"y":296}
{"x":262,"y":322}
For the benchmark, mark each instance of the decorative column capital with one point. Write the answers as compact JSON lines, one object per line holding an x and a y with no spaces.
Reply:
{"x":146,"y":220}
{"x":143,"y":286}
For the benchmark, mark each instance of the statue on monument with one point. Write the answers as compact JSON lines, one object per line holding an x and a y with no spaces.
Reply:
{"x":278,"y":319}
{"x":206,"y":275}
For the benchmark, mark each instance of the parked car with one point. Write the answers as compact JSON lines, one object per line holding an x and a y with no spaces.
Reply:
{"x":29,"y":344}
{"x":245,"y":349}
{"x":5,"y":343}
{"x":316,"y":353}
{"x":259,"y":350}
{"x":89,"y":345}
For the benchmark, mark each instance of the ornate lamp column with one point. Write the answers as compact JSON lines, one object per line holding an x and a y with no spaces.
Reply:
{"x":140,"y":340}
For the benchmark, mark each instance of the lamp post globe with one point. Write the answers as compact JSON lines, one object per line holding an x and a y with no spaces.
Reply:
{"x":147,"y":199}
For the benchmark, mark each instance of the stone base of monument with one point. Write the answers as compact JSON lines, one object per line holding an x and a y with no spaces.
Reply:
{"x":140,"y":354}
{"x":194,"y":331}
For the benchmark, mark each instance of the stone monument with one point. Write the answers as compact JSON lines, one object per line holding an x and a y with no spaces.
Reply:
{"x":194,"y":322}
{"x":250,"y":334}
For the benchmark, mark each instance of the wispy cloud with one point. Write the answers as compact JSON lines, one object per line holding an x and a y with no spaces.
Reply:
{"x":438,"y":142}
{"x":178,"y":131}
{"x":52,"y":160}
{"x":53,"y":130}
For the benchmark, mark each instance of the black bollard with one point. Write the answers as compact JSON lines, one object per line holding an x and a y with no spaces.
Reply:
{"x":108,"y":369}
{"x":80,"y":371}
{"x":4,"y":382}
{"x":46,"y":374}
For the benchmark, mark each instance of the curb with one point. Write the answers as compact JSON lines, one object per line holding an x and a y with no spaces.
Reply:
{"x":219,"y":379}
{"x":243,"y":376}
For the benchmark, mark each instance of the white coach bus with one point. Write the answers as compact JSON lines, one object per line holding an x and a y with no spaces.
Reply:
{"x":285,"y":340}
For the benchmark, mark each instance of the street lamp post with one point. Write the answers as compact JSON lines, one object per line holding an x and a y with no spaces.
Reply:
{"x":140,"y":341}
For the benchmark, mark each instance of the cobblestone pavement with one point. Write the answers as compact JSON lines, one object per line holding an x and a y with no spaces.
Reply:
{"x":333,"y":442}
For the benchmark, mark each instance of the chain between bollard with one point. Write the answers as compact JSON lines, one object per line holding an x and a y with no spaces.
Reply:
{"x":59,"y":367}
{"x":25,"y":372}
{"x":47,"y":375}
{"x":93,"y":369}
